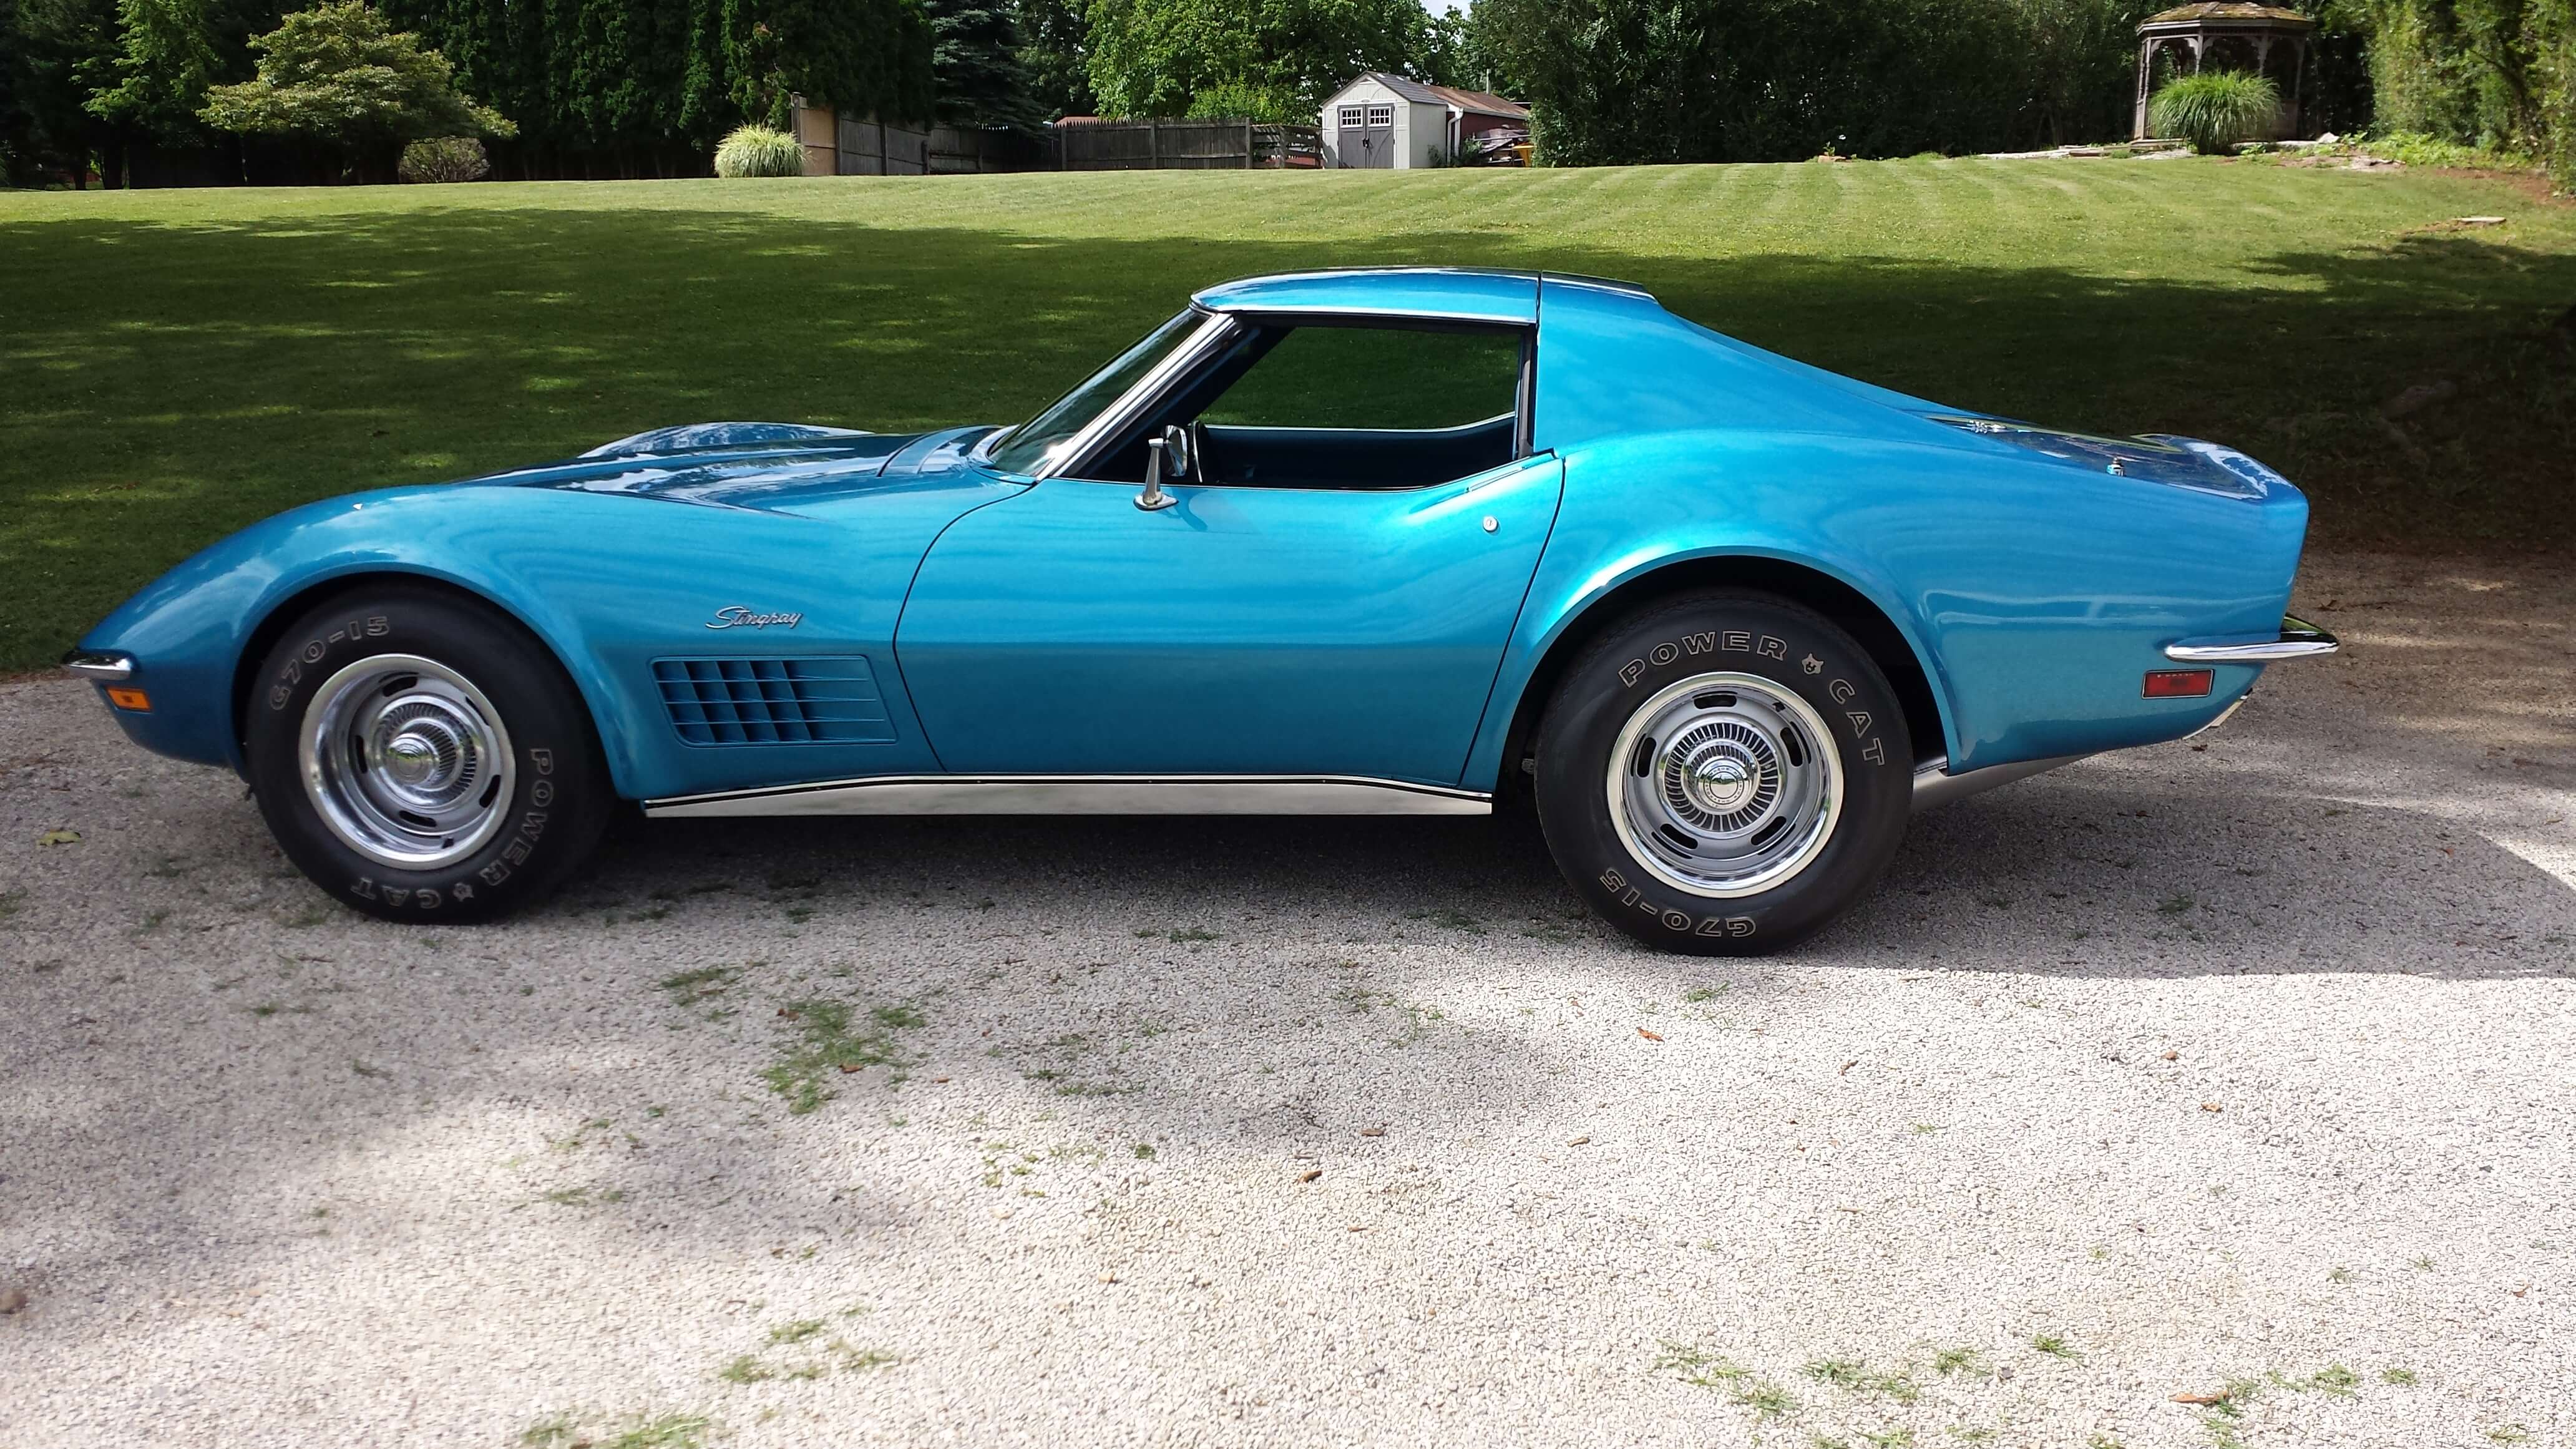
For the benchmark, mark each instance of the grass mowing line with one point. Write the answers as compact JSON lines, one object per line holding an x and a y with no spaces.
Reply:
{"x":182,"y":363}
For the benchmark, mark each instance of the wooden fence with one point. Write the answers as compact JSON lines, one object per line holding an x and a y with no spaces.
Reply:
{"x":1164,"y":145}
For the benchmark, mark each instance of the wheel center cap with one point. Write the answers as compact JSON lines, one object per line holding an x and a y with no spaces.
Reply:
{"x":1720,"y":782}
{"x":416,"y":761}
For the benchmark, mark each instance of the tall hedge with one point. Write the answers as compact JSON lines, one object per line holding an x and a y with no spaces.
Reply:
{"x":2499,"y":73}
{"x":594,"y":75}
{"x":1767,"y":80}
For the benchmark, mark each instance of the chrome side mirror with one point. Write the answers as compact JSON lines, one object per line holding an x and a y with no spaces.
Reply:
{"x":1170,"y":451}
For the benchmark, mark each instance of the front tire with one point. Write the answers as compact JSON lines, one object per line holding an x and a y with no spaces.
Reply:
{"x":422,"y":757}
{"x":1723,"y":774}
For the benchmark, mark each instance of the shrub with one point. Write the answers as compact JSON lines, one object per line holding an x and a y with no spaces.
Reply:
{"x":445,"y":158}
{"x":2215,"y":109}
{"x":759,"y":151}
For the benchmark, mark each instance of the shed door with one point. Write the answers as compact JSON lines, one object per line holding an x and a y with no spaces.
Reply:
{"x":1365,"y":134}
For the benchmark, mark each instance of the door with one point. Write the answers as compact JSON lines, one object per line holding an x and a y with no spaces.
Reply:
{"x":1364,"y":135}
{"x":1331,"y":596}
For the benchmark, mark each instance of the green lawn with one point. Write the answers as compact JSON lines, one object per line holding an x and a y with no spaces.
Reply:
{"x":176,"y":364}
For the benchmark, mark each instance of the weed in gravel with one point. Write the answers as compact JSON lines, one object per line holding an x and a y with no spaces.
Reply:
{"x":2338,"y":1274}
{"x":797,"y":1332}
{"x":364,"y":1070}
{"x":1845,"y":1373}
{"x":1970,"y":1434}
{"x":1695,"y":995}
{"x":636,"y":1431}
{"x":309,"y":916}
{"x":2424,"y":1263}
{"x":2175,"y":905}
{"x":1693,"y":1365}
{"x":2400,"y":1376}
{"x":2509,"y":1434}
{"x":2334,"y":1381}
{"x":1951,"y":1361}
{"x":1143,"y":1150}
{"x":833,"y":1040}
{"x":746,"y":1369}
{"x":1899,"y":1437}
{"x":1450,"y":918}
{"x":687,"y":988}
{"x":2054,"y":1346}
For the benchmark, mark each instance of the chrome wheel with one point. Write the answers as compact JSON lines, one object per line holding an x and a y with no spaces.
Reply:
{"x":406,"y":761}
{"x":1725,"y":784}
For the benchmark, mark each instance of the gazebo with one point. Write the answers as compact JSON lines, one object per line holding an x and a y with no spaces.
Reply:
{"x":2226,"y":35}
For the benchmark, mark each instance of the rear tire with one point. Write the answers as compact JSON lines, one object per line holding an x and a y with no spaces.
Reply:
{"x":1723,"y":774}
{"x":424,"y":758}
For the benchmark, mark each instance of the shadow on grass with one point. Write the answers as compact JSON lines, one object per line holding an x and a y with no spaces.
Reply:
{"x":167,"y":384}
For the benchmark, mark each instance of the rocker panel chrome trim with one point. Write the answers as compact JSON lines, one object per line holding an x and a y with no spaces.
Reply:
{"x":1935,"y":785}
{"x":1086,"y":795}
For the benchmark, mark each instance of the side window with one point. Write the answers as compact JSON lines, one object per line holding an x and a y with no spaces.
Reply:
{"x":1381,"y":115}
{"x":1364,"y":407}
{"x":1350,"y":117}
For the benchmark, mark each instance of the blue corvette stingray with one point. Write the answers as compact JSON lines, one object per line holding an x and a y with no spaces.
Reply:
{"x":1399,"y":541}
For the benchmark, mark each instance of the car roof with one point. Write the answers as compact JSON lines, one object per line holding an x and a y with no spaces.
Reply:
{"x":1455,"y":294}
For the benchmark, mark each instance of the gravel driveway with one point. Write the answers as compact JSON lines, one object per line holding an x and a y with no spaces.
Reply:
{"x":2244,"y":1071}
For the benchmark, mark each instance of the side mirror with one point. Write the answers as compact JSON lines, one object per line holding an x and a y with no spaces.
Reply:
{"x":1169,"y":452}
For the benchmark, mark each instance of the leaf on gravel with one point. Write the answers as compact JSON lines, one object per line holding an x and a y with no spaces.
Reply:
{"x":1648,"y":1035}
{"x":1378,"y":1131}
{"x":1580,"y":1142}
{"x":2216,"y":1398}
{"x":2211,"y":1107}
{"x":1310,"y":1174}
{"x":13,"y":1301}
{"x":2172,"y":1056}
{"x":59,"y":837}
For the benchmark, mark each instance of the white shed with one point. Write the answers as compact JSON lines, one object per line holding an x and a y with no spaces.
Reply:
{"x":1385,"y":120}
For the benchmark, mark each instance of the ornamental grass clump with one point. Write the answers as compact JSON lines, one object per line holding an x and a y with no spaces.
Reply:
{"x":759,"y":151}
{"x":2216,"y":109}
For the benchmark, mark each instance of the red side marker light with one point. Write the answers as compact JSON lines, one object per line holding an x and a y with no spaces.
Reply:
{"x":2176,"y":683}
{"x":125,"y":696}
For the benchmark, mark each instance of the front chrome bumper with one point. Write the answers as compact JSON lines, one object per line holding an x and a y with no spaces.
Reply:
{"x":2298,"y":639}
{"x":106,"y":668}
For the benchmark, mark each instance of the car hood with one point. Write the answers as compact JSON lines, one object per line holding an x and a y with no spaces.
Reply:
{"x":773,"y":467}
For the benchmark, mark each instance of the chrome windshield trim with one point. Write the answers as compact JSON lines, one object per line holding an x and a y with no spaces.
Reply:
{"x":1217,"y":328}
{"x":2298,"y":639}
{"x":1086,"y":795}
{"x":97,"y":664}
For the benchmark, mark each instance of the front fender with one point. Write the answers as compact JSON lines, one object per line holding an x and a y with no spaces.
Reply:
{"x":606,"y":581}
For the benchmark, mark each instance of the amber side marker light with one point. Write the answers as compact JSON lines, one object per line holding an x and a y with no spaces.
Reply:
{"x":128,"y":697}
{"x":2176,"y":683}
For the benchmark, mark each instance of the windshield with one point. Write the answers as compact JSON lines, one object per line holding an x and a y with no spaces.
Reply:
{"x":1025,"y":448}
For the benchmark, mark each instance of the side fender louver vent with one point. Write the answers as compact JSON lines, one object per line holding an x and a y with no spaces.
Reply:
{"x":821,"y":701}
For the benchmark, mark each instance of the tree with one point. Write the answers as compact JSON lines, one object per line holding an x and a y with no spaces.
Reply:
{"x":1153,"y":57}
{"x":1055,"y":48}
{"x":337,"y":74}
{"x":164,"y":65}
{"x":975,"y":67}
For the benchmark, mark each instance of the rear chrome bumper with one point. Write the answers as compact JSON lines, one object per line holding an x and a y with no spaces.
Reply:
{"x":2298,"y":639}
